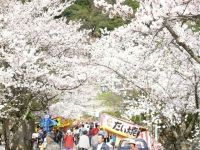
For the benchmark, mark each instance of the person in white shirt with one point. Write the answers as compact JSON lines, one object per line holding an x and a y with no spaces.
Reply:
{"x":84,"y":143}
{"x":94,"y":140}
{"x":87,"y":127}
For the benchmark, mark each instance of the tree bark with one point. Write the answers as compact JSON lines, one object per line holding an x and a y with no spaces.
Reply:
{"x":182,"y":44}
{"x":5,"y":126}
{"x":185,"y":146}
{"x":18,"y":138}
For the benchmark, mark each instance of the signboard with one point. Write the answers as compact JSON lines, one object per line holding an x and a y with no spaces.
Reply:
{"x":118,"y":126}
{"x":122,"y":128}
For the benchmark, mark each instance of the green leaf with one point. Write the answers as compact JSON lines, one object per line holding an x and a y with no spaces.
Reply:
{"x":91,"y":17}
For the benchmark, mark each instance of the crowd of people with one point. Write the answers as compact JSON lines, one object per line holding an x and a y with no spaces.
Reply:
{"x":82,"y":137}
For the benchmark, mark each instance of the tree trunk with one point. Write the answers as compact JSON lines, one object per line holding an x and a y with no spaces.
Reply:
{"x":28,"y":126}
{"x":185,"y":146}
{"x":19,"y":139}
{"x":173,"y":140}
{"x":5,"y":126}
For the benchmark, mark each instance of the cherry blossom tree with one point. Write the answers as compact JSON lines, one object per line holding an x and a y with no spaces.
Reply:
{"x":41,"y":59}
{"x":158,"y":54}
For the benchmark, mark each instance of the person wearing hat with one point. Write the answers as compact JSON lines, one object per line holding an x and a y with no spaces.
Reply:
{"x":68,"y":140}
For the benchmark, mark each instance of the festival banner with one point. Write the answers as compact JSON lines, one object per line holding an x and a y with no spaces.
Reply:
{"x":123,"y":128}
{"x":119,"y":126}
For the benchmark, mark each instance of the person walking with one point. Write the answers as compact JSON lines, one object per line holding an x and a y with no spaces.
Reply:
{"x":76,"y":135}
{"x":58,"y":136}
{"x":101,"y":144}
{"x":51,"y":145}
{"x":90,"y":135}
{"x":95,"y":129}
{"x":68,"y":140}
{"x":94,"y":139}
{"x":84,"y":143}
{"x":113,"y":140}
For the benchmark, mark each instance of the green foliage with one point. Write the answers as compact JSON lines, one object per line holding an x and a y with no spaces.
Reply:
{"x":134,"y":4}
{"x":189,"y":118}
{"x":110,"y":99}
{"x":134,"y":94}
{"x":113,"y":101}
{"x":113,"y":113}
{"x":85,"y":115}
{"x":91,"y":17}
{"x":111,"y":1}
{"x":138,"y":118}
{"x":84,"y":2}
{"x":30,"y":116}
{"x":23,"y":1}
{"x":196,"y":27}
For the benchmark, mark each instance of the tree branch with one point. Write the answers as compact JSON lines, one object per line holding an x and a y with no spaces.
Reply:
{"x":123,"y":77}
{"x":72,"y":88}
{"x":182,"y":44}
{"x":196,"y":115}
{"x":189,"y":17}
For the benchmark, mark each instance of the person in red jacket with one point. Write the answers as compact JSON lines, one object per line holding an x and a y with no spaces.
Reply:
{"x":95,"y":130}
{"x":68,"y":140}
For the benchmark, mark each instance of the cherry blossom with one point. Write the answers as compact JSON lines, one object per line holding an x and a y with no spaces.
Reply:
{"x":158,"y":55}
